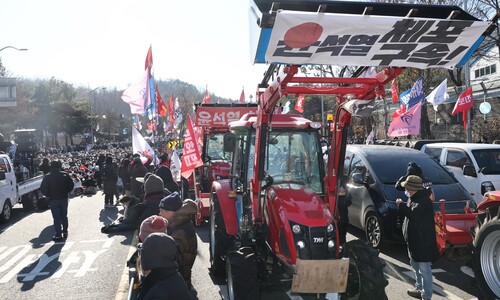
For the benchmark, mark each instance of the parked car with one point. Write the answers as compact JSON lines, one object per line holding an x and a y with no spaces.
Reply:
{"x":371,"y":173}
{"x":475,"y":166}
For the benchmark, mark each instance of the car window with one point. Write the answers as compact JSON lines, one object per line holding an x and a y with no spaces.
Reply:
{"x":457,"y":158}
{"x":347,"y":163}
{"x":488,"y":160}
{"x":435,"y":153}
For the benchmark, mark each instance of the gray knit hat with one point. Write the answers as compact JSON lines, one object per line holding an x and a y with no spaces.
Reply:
{"x":159,"y":250}
{"x":153,"y":184}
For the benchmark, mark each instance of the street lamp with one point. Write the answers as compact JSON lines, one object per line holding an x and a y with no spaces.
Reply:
{"x":12,"y":47}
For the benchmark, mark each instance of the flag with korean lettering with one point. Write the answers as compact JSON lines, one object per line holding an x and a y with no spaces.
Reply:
{"x":399,"y":111}
{"x":438,"y":95}
{"x":175,"y":166}
{"x":136,"y":94}
{"x":464,"y":103}
{"x":191,"y":157}
{"x":139,"y":145}
{"x":408,"y":123}
{"x":414,"y":95}
{"x":299,"y":105}
{"x":394,"y":91}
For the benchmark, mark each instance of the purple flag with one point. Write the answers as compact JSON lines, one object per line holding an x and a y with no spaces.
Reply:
{"x":136,"y":94}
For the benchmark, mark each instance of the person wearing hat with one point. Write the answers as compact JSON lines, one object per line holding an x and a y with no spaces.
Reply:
{"x":153,"y":193}
{"x":136,"y":169}
{"x":56,"y":186}
{"x":158,"y":261}
{"x":180,"y":226}
{"x":419,"y":234}
{"x":414,"y":169}
{"x":129,"y":220}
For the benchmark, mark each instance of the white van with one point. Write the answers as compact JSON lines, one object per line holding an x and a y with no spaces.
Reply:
{"x":475,"y":166}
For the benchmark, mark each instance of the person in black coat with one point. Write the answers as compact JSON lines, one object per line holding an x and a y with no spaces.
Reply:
{"x":109,"y":178}
{"x":56,"y":186}
{"x":158,"y":261}
{"x":136,"y":169}
{"x":45,"y":166}
{"x":168,"y":181}
{"x":419,"y":234}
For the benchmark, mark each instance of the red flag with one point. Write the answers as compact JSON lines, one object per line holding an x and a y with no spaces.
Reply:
{"x":149,"y":60}
{"x":206,"y":99}
{"x":394,"y":91}
{"x":464,"y":103}
{"x":242,"y":96}
{"x":399,"y":111}
{"x":160,"y":104}
{"x":171,"y":109}
{"x":299,"y":105}
{"x":191,"y":158}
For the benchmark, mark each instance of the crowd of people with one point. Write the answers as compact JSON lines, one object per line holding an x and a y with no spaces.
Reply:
{"x":152,"y":205}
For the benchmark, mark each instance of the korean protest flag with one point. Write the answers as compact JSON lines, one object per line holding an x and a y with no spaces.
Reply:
{"x":438,"y":95}
{"x":191,"y":157}
{"x":299,"y":105}
{"x":177,"y":113}
{"x":175,"y":166}
{"x":464,"y":103}
{"x":406,"y":124}
{"x":414,"y":95}
{"x":394,"y":91}
{"x":136,"y":94}
{"x":139,"y":145}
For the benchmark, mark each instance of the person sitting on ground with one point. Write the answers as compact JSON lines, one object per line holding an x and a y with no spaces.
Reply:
{"x":150,"y":225}
{"x":158,"y":262}
{"x":181,"y":228}
{"x":153,"y":190}
{"x":89,"y":185}
{"x":129,"y":220}
{"x":77,"y":189}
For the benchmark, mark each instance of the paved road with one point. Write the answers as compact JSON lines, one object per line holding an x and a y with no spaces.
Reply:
{"x":92,"y":265}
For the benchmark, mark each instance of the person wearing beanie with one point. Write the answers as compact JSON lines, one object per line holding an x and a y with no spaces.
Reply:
{"x":152,"y":224}
{"x":153,"y":193}
{"x":158,"y":262}
{"x":419,"y":234}
{"x":180,"y":226}
{"x":56,"y":186}
{"x":415,"y":169}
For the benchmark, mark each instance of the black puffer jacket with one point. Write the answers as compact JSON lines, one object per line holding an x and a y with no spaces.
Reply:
{"x":149,"y":207}
{"x":163,"y":284}
{"x":136,"y":169}
{"x":56,"y":185}
{"x":419,"y":227}
{"x":181,"y":228}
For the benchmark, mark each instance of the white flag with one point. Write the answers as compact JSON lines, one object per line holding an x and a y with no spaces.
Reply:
{"x":97,"y":127}
{"x":136,"y":94}
{"x":177,"y":112}
{"x":139,"y":145}
{"x":286,"y":107}
{"x":438,"y":95}
{"x":175,"y":166}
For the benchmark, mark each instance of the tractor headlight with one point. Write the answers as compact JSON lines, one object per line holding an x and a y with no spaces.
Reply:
{"x":296,"y":229}
{"x":301,"y":245}
{"x":331,"y":244}
{"x":330,"y":228}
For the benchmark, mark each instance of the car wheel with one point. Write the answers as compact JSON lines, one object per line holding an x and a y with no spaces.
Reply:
{"x":373,"y":230}
{"x":6,"y":212}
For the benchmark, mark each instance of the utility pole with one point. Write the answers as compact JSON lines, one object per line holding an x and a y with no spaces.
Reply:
{"x":467,"y":85}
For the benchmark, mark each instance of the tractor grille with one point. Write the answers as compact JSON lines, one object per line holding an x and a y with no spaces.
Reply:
{"x":318,"y":243}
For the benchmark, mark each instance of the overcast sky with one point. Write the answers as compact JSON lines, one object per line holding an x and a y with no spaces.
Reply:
{"x":97,"y":43}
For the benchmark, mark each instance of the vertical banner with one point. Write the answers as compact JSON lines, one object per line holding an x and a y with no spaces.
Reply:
{"x":191,"y":157}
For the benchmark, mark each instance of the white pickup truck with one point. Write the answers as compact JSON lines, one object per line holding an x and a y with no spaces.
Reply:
{"x":26,"y":191}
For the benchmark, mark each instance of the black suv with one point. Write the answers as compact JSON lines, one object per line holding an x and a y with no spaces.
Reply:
{"x":371,"y":173}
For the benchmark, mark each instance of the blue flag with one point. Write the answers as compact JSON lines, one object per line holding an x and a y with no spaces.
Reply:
{"x":414,"y":95}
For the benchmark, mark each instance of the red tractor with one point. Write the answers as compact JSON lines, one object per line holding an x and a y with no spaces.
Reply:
{"x":213,"y":119}
{"x":274,"y":221}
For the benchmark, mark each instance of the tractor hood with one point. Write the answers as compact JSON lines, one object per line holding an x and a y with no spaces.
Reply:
{"x":299,"y":204}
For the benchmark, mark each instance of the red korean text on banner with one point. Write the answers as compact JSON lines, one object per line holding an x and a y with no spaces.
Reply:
{"x":464,"y":103}
{"x":299,"y":105}
{"x":394,"y":91}
{"x":191,"y":158}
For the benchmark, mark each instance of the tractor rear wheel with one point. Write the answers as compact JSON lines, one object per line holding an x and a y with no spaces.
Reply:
{"x":486,"y":253}
{"x":219,"y":240}
{"x":366,"y":272}
{"x":241,"y":270}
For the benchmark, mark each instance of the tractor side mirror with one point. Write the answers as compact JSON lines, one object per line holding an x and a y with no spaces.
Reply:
{"x":469,"y":171}
{"x":229,"y":142}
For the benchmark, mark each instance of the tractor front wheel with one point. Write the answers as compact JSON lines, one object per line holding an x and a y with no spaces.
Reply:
{"x":241,"y":270}
{"x":219,"y":239}
{"x":486,"y":253}
{"x":366,"y":272}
